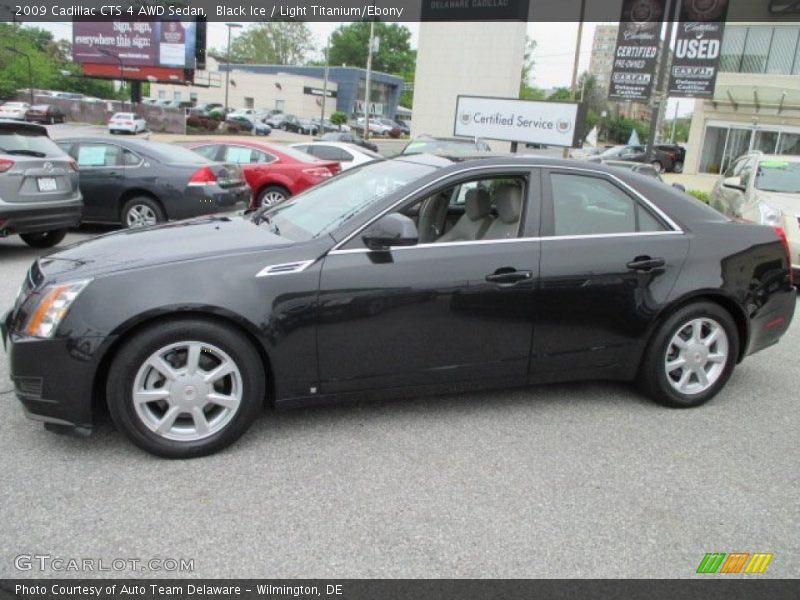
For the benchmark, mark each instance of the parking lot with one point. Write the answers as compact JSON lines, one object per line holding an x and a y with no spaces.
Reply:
{"x":580,"y":480}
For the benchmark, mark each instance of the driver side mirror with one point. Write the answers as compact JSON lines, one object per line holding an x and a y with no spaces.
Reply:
{"x":390,"y":230}
{"x":734,"y":183}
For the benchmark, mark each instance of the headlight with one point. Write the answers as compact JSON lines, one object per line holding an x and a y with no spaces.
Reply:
{"x":52,"y":308}
{"x":769,"y":215}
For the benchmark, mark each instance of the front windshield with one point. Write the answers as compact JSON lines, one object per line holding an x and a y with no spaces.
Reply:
{"x":778,"y":176}
{"x":329,"y":205}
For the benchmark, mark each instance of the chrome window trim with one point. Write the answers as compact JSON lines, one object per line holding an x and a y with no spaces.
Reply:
{"x":675,"y":229}
{"x":512,"y":240}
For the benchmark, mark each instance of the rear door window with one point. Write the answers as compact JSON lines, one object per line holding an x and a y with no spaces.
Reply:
{"x":99,"y":155}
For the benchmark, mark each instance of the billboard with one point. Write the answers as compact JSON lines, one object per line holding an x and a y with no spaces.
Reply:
{"x":698,"y":42}
{"x":135,"y":45}
{"x":511,"y":120}
{"x":636,"y":53}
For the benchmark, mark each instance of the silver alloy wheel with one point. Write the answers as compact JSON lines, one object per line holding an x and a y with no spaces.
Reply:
{"x":696,"y":356}
{"x":140,"y":215}
{"x":187,"y":391}
{"x":271,"y":198}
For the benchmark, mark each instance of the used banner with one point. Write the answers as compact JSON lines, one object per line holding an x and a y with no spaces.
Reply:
{"x":697,"y":49}
{"x":636,"y":54}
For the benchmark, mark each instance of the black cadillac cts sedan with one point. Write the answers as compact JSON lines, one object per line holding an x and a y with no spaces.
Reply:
{"x":416,"y":274}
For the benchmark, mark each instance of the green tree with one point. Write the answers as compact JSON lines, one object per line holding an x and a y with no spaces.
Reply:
{"x":349,"y":46}
{"x":560,"y":94}
{"x":276,"y":42}
{"x":338,"y":118}
{"x":526,"y":90}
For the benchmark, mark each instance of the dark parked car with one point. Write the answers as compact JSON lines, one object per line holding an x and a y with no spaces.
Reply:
{"x":659,"y":159}
{"x":415,"y":273}
{"x":138,"y":182}
{"x":238,"y":123}
{"x":451,"y":147}
{"x":677,"y":156}
{"x":45,"y":113}
{"x":349,"y":137}
{"x":39,"y":194}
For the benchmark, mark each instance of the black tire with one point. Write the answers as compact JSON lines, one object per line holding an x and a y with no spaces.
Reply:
{"x":653,"y":376}
{"x":272,"y":190}
{"x":135,"y":351}
{"x":44,"y":239}
{"x":677,"y":167}
{"x":52,"y":120}
{"x":142,"y":201}
{"x":658,"y":166}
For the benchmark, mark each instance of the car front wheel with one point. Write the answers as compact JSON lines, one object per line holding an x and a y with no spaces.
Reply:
{"x":677,"y":167}
{"x":185,"y":388}
{"x":691,"y":357}
{"x":44,"y":239}
{"x":658,"y":166}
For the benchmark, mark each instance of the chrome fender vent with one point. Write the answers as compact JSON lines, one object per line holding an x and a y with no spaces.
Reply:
{"x":285,"y":268}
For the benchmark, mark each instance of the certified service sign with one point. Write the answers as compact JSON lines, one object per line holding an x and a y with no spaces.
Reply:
{"x":549,"y":123}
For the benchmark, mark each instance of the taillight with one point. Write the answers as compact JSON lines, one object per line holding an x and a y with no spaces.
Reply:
{"x":128,"y":122}
{"x":203,"y":176}
{"x":321,"y":172}
{"x":5,"y":164}
{"x":781,"y":233}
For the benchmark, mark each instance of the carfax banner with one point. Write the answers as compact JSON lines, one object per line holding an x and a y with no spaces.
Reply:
{"x":636,"y":53}
{"x":698,"y":42}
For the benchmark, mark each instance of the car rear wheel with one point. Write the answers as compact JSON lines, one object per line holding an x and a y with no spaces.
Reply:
{"x":271,"y":195}
{"x":186,"y":388}
{"x":142,"y":212}
{"x":691,"y":356}
{"x":658,"y":166}
{"x":43,"y":239}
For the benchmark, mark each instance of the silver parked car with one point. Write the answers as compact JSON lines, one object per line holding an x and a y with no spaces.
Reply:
{"x":39,"y":193}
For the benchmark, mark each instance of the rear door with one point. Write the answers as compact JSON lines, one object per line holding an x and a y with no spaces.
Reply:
{"x":609,"y":261}
{"x":102,"y":179}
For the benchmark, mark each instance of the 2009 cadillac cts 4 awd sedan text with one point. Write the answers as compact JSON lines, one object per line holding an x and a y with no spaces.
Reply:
{"x":416,"y":273}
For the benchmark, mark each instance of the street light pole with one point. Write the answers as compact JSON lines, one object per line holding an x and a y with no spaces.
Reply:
{"x":369,"y":79}
{"x":324,"y":89}
{"x":575,"y":64}
{"x":30,"y":70}
{"x":230,"y":27}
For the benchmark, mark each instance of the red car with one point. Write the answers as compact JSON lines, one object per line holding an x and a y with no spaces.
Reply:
{"x":274,"y":172}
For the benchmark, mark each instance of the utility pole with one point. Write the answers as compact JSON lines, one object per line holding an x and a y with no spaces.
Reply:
{"x":572,"y":88}
{"x":660,"y":92}
{"x":674,"y":123}
{"x":369,"y":79}
{"x":325,"y":89}
{"x":230,"y":26}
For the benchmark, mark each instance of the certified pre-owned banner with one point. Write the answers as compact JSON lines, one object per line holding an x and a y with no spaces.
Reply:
{"x":550,"y":123}
{"x":636,"y":54}
{"x":697,"y":48}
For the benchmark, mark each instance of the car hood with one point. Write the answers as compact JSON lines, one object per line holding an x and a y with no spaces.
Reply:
{"x":787,"y":203}
{"x":193,"y":239}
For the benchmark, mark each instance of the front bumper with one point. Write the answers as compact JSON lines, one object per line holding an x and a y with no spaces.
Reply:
{"x":53,"y":378}
{"x":35,"y":219}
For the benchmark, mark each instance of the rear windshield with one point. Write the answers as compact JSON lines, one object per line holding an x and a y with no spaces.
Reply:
{"x":123,"y":116}
{"x":26,"y":141}
{"x":448,"y":147}
{"x":297,"y":154}
{"x":171,"y":153}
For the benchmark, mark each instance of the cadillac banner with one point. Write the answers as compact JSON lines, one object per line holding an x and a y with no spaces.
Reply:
{"x":636,"y":54}
{"x":697,"y":48}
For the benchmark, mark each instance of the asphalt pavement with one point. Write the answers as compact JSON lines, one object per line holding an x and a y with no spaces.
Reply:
{"x":586,"y":480}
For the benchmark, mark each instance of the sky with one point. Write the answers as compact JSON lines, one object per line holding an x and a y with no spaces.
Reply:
{"x":555,"y":48}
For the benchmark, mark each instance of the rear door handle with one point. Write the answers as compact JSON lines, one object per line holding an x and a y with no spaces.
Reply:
{"x":645,"y":263}
{"x":509,"y":277}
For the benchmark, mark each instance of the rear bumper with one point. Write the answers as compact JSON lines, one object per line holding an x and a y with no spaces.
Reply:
{"x":207,"y":199}
{"x":34,"y":219}
{"x":772,"y":320}
{"x":51,"y":379}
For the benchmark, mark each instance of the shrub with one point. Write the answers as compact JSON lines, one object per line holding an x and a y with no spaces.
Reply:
{"x":699,"y":194}
{"x":338,"y":118}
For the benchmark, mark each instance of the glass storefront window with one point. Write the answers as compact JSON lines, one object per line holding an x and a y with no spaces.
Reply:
{"x":783,"y":50}
{"x":732,"y":48}
{"x":765,"y":141}
{"x":789,"y":143}
{"x":756,"y":49}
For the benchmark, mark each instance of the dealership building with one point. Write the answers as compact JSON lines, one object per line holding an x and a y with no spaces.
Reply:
{"x":292,"y":89}
{"x":756,"y":103}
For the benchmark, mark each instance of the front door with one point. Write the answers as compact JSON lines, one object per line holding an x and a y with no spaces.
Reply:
{"x":455,"y":307}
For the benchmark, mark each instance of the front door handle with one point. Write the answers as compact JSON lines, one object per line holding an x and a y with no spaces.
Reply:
{"x":508,"y":276}
{"x":645,"y":263}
